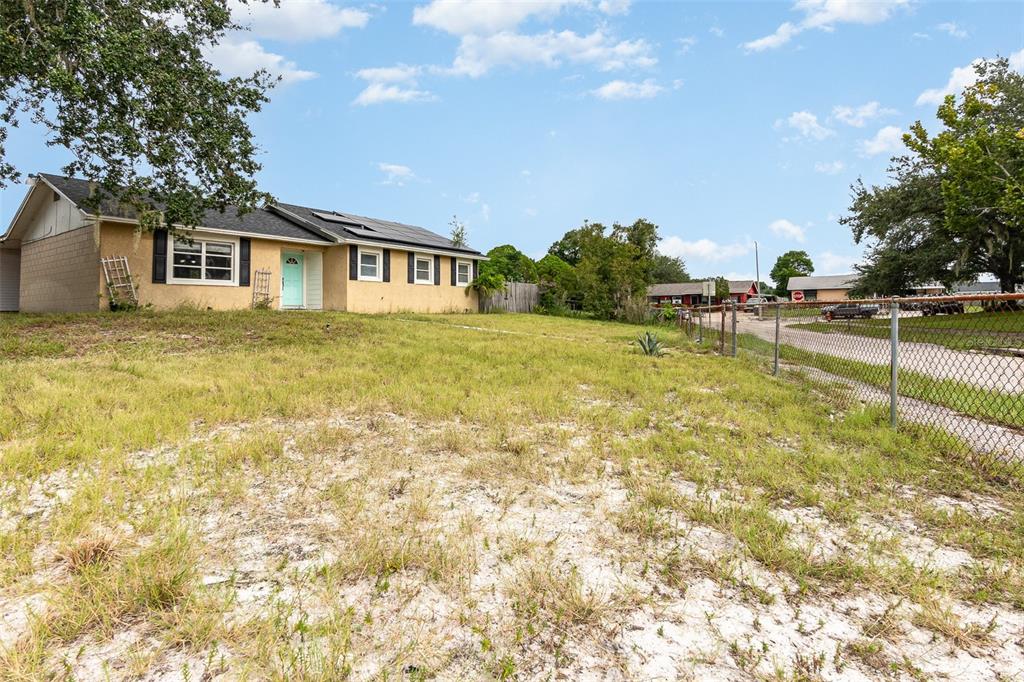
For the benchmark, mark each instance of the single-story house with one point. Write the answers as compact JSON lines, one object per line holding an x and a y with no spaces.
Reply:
{"x":821,"y":287}
{"x":977,"y":288}
{"x":691,"y":293}
{"x":300,"y":257}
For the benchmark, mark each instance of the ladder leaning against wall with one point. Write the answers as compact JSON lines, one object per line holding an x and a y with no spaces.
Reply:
{"x":120,"y":287}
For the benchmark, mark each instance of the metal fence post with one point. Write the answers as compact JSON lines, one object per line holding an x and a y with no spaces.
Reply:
{"x":894,"y":358}
{"x":778,"y":319}
{"x":734,"y":328}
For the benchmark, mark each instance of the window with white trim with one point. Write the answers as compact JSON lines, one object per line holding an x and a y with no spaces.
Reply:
{"x":424,"y":269}
{"x":463,"y":272}
{"x":201,"y":261}
{"x":369,"y":265}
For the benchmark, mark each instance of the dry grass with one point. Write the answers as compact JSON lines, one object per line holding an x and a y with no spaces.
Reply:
{"x":272,"y":498}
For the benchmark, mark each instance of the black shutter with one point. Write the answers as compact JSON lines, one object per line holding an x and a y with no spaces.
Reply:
{"x":160,"y":257}
{"x":437,"y":270}
{"x":353,"y":261}
{"x":244,"y":261}
{"x":387,"y":265}
{"x":455,"y":267}
{"x":475,"y":274}
{"x":412,"y":268}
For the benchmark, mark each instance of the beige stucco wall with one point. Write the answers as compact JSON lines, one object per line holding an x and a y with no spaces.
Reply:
{"x":123,"y":240}
{"x":400,"y":296}
{"x":60,"y":273}
{"x":832,"y":294}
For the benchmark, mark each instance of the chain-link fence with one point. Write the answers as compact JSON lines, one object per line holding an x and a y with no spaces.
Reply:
{"x":955,"y":363}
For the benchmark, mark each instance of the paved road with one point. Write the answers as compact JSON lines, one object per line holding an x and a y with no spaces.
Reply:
{"x":994,"y":372}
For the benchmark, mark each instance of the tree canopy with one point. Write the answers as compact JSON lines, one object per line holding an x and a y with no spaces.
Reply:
{"x":669,"y":269}
{"x":955,"y":207}
{"x":788,"y":265}
{"x":614,"y":267}
{"x":511,"y":263}
{"x":125,"y":87}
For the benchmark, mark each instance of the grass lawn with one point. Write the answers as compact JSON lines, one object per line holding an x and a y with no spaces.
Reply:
{"x":329,"y":496}
{"x":970,"y":331}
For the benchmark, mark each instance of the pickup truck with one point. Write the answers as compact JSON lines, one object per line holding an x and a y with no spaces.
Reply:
{"x":849,"y":311}
{"x":940,"y":307}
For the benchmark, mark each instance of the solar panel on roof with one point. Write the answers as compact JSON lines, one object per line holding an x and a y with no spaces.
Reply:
{"x":335,"y":218}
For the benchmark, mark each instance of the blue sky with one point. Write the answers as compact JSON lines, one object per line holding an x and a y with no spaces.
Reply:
{"x":724,"y":123}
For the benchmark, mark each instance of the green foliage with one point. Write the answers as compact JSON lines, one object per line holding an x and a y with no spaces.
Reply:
{"x":458,"y":233}
{"x":559,"y":286}
{"x":790,"y":264}
{"x":955,"y":207}
{"x":570,"y":247}
{"x":669,"y":270}
{"x":615,"y":269}
{"x":721,"y":289}
{"x":510,"y":263}
{"x":649,"y":344}
{"x":486,"y":284}
{"x":124,"y":86}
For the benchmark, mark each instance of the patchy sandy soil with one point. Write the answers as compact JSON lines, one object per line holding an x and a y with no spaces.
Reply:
{"x":412,"y":549}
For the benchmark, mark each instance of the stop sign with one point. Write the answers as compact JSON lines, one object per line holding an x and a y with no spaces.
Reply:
{"x":798,"y":296}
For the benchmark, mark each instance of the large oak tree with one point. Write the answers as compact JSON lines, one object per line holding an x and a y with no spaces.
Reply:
{"x":124,"y":86}
{"x":955,"y":207}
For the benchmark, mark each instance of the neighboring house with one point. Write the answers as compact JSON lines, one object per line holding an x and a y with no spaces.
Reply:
{"x":317,"y":259}
{"x":978,"y":288}
{"x":690,"y":293}
{"x":821,"y":287}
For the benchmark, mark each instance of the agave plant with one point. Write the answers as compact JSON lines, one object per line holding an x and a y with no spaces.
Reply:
{"x":650,"y":345}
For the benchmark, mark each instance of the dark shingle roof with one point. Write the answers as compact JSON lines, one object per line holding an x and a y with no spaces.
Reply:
{"x":258,"y":222}
{"x":349,"y":225}
{"x":284,"y":220}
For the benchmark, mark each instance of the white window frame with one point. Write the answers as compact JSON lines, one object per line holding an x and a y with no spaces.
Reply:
{"x":416,"y":271}
{"x":198,"y":238}
{"x":379,"y":254}
{"x":469,"y":275}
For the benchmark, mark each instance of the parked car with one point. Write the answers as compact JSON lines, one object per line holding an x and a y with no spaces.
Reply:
{"x":940,"y":307}
{"x":849,"y":311}
{"x":753,"y":302}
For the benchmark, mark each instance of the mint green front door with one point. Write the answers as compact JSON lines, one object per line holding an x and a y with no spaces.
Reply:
{"x":291,"y":280}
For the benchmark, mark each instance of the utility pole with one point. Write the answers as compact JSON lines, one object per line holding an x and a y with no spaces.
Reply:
{"x":757,"y":269}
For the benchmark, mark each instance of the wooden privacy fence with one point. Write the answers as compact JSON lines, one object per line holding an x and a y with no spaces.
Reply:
{"x":517,"y":297}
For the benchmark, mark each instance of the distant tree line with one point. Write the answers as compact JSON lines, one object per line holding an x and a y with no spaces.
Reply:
{"x":598,"y":270}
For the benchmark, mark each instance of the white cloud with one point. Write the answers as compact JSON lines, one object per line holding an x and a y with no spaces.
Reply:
{"x":530,"y":212}
{"x":686,"y":44}
{"x":828,"y":263}
{"x":702,"y":249}
{"x":829,"y":167}
{"x":461,"y":17}
{"x":391,"y":84}
{"x":962,"y":77}
{"x":825,"y":15}
{"x":235,"y":57}
{"x":954,"y":29}
{"x":485,"y":212}
{"x":920,"y":36}
{"x":716,"y":31}
{"x":399,"y":73}
{"x":296,"y":21}
{"x":858,"y":116}
{"x":787,"y":230}
{"x":616,"y":90}
{"x":379,"y":93}
{"x":613,"y":7}
{"x":888,"y":140}
{"x":396,"y":174}
{"x":806,"y":124}
{"x":477,"y":54}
